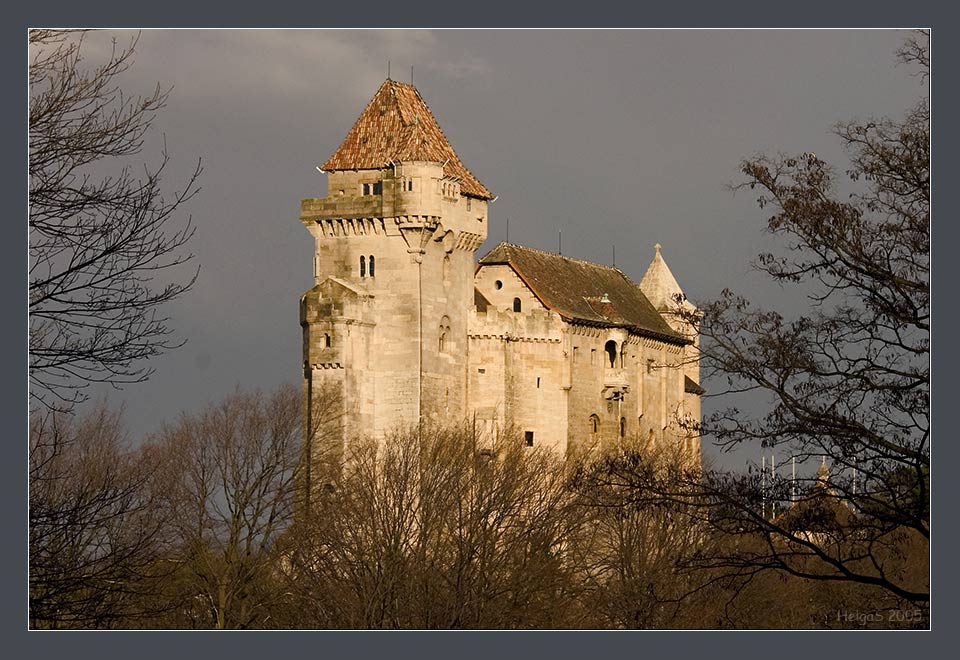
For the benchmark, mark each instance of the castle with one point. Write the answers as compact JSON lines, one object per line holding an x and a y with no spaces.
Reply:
{"x":406,"y":326}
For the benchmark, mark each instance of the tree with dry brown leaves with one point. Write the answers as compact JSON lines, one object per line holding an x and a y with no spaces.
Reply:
{"x":848,"y":376}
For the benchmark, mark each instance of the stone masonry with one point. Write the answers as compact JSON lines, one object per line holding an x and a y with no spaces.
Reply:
{"x":406,"y":326}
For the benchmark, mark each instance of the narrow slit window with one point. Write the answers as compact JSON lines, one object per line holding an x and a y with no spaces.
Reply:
{"x":528,"y":438}
{"x":363,"y":267}
{"x":326,"y":340}
{"x":372,"y":263}
{"x":623,"y":427}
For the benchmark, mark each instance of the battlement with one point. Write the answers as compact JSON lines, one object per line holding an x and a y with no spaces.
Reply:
{"x":360,"y":202}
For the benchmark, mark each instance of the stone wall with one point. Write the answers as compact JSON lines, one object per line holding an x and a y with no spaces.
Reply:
{"x":420,"y":236}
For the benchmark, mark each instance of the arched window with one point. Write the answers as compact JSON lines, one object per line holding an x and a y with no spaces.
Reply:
{"x":623,"y":352}
{"x":443,"y":333}
{"x":594,"y":424}
{"x":611,"y":348}
{"x":516,"y":304}
{"x":326,"y":340}
{"x":371,"y":265}
{"x":623,"y":427}
{"x":363,"y":267}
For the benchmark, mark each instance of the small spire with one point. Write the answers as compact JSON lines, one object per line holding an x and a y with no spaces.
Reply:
{"x":657,"y":248}
{"x":605,"y":298}
{"x":823,"y":473}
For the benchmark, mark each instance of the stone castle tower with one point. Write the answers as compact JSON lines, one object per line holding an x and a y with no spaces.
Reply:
{"x":403,"y":324}
{"x":385,"y":324}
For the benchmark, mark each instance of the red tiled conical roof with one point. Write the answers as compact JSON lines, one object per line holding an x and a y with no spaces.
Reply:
{"x":398,"y":126}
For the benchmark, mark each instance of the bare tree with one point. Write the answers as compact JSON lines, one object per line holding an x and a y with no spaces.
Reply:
{"x":100,"y":235}
{"x":428,"y":531}
{"x":95,"y":525}
{"x":632,"y":554}
{"x":230,"y":476}
{"x":848,"y":377}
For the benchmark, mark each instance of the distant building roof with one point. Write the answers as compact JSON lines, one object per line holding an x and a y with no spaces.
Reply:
{"x":821,"y":509}
{"x":582,"y":291}
{"x":398,"y":126}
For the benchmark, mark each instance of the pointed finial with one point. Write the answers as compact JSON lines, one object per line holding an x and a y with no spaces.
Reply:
{"x":657,"y":248}
{"x":823,"y":473}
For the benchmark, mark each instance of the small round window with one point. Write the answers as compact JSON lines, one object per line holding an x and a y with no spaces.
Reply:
{"x":498,"y":284}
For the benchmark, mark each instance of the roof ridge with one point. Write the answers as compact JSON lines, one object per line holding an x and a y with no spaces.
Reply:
{"x":562,"y":256}
{"x":406,"y":121}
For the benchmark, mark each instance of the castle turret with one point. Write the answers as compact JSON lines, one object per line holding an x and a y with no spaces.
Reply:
{"x":386,"y":322}
{"x":663,"y":291}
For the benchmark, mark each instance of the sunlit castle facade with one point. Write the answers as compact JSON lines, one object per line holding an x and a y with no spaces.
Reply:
{"x":406,"y":325}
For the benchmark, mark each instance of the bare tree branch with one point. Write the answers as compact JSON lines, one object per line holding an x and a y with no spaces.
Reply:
{"x":99,"y":241}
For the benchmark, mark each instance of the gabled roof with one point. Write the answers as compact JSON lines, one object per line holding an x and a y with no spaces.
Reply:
{"x":398,"y":126}
{"x":330,"y":284}
{"x":480,"y":301}
{"x":582,"y":291}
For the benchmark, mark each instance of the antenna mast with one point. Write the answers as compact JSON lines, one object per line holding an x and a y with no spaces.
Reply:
{"x":763,"y":487}
{"x":773,"y":480}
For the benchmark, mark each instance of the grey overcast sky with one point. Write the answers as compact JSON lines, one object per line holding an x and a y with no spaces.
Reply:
{"x":614,"y":137}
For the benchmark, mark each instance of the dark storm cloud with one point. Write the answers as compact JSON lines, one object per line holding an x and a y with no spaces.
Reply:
{"x":612,"y":137}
